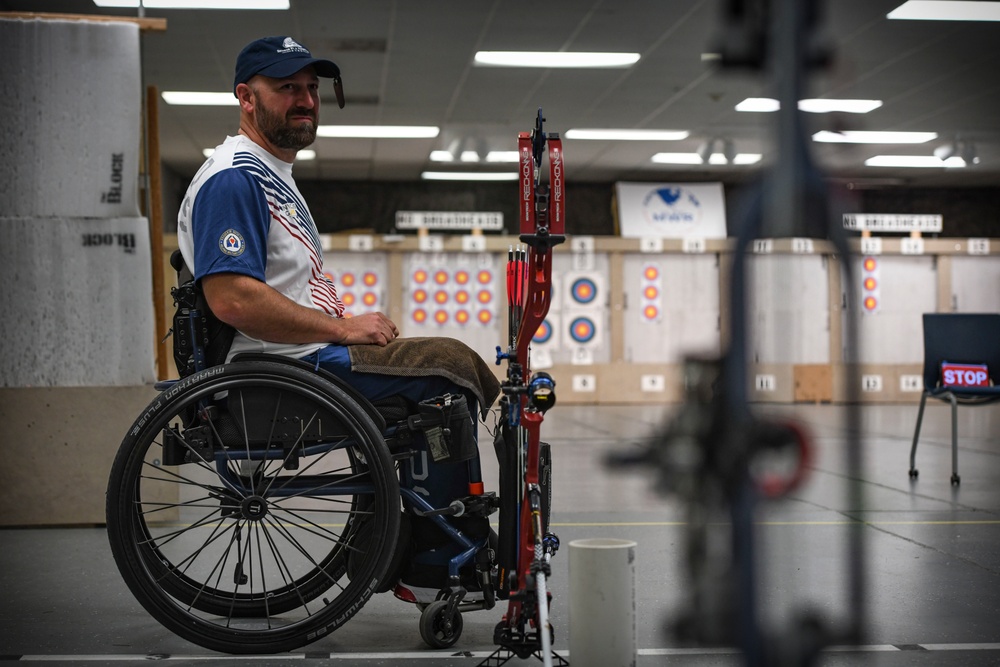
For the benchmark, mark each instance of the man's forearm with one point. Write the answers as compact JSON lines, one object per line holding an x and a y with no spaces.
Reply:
{"x":261,"y":312}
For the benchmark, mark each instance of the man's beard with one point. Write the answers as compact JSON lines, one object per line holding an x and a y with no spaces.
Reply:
{"x":280,"y":132}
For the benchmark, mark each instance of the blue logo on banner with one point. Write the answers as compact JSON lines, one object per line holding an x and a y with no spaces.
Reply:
{"x":671,"y":206}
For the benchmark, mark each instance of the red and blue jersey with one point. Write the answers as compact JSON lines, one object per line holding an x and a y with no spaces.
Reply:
{"x":243,"y":214}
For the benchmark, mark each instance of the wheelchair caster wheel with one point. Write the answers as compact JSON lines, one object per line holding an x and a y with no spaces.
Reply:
{"x":436,"y":629}
{"x":955,"y":479}
{"x":914,"y":473}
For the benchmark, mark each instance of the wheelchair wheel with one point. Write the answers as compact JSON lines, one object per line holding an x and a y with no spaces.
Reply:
{"x":437,"y":629}
{"x":234,"y":501}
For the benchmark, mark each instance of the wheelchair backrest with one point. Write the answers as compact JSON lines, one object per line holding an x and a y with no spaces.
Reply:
{"x":201,"y":340}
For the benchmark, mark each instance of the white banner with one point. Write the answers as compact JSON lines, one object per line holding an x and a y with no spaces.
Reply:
{"x":671,"y":210}
{"x":449,"y":220}
{"x":893,"y":222}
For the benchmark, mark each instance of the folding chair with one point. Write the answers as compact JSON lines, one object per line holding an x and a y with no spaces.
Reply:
{"x":960,"y":338}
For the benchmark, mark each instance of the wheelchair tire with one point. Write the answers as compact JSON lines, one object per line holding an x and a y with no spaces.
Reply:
{"x":233,"y":502}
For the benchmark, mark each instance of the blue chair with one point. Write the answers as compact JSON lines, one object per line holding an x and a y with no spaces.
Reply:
{"x":970,"y":338}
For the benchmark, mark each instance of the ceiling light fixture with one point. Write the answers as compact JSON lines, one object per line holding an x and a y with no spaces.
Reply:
{"x":191,"y":98}
{"x":502,"y":156}
{"x":953,"y":10}
{"x":814,"y":105}
{"x":868,"y":137}
{"x":378,"y":131}
{"x":927,"y":161}
{"x":713,"y":158}
{"x":554,"y":59}
{"x":196,"y":4}
{"x":839,"y":106}
{"x":625,"y":135}
{"x":468,"y":176}
{"x":442,"y":156}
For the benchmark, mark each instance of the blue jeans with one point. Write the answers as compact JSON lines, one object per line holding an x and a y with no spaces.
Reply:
{"x":439,"y":483}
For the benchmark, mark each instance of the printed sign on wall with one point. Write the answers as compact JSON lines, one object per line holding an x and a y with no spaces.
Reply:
{"x":671,"y":210}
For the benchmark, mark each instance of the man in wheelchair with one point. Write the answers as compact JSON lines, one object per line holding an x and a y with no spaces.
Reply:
{"x":253,"y":255}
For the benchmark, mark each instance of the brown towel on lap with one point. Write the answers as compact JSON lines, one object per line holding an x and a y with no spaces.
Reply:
{"x":416,"y":357}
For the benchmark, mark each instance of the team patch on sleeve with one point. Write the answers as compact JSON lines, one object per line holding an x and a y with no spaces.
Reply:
{"x":231,"y":242}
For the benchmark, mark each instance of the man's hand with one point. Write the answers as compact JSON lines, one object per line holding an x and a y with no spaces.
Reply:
{"x":370,"y":328}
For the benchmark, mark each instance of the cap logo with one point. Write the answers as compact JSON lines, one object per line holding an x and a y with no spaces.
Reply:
{"x":290,"y":45}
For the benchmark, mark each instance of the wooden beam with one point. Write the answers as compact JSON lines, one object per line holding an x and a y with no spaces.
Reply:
{"x":155,"y":214}
{"x":145,"y":24}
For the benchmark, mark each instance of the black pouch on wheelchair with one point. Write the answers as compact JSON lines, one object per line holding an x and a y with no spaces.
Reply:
{"x":200,"y":339}
{"x":447,"y":425}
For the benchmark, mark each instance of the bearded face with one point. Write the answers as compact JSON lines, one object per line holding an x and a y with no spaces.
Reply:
{"x":280,"y":130}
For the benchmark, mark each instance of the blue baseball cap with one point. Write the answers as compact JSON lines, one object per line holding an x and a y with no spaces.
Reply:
{"x":278,"y":57}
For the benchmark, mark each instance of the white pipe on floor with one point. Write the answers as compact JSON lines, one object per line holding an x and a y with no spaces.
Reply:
{"x":602,"y":618}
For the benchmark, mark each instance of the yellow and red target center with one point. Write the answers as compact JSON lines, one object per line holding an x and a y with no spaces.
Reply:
{"x":441,"y":296}
{"x":462,"y":296}
{"x":484,"y":277}
{"x":651,"y":292}
{"x":441,"y":316}
{"x":420,"y":296}
{"x":420,"y":276}
{"x":651,"y":273}
{"x":347,"y":279}
{"x":870,"y":303}
{"x":651,"y":312}
{"x":369,"y":279}
{"x":462,"y":316}
{"x":870,"y":283}
{"x":484,"y":297}
{"x":441,"y":277}
{"x":485,"y":316}
{"x":348,"y":299}
{"x":420,"y":316}
{"x":369,"y":299}
{"x":462,"y":277}
{"x":870,"y":264}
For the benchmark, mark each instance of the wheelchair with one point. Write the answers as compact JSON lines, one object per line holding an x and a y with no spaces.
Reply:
{"x":255,"y":506}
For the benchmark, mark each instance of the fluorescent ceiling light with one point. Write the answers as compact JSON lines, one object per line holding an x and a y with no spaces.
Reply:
{"x":503,"y":156}
{"x":677,"y":158}
{"x":913,"y":161}
{"x":839,"y":106}
{"x":189,"y":98}
{"x":196,"y":4}
{"x":378,"y":131}
{"x":864,"y":137}
{"x":768,"y":105}
{"x":695,"y":158}
{"x":758,"y":105}
{"x":626,"y":135}
{"x":469,"y":156}
{"x":953,"y":10}
{"x":554,"y":59}
{"x":442,"y":156}
{"x":304,"y":154}
{"x":468,"y":176}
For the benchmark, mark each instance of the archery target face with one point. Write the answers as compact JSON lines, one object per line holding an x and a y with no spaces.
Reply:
{"x":451,"y":290}
{"x":360,"y":281}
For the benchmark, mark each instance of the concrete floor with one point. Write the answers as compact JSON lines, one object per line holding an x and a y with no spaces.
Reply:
{"x":933,"y":557}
